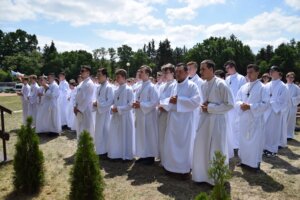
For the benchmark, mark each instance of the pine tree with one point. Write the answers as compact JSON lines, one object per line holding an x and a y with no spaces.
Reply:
{"x":86,"y":179}
{"x":28,"y":161}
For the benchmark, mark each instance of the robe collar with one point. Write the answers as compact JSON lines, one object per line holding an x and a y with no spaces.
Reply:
{"x":183,"y":82}
{"x":146,"y":82}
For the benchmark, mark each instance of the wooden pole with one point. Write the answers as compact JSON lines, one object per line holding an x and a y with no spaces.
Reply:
{"x":3,"y":139}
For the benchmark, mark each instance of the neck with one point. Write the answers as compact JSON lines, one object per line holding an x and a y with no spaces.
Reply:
{"x":252,"y":80}
{"x":209,"y":78}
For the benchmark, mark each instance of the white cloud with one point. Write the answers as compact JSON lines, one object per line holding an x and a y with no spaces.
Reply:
{"x":130,"y":12}
{"x":62,"y":46}
{"x":189,"y":11}
{"x":267,"y":28}
{"x":293,"y":3}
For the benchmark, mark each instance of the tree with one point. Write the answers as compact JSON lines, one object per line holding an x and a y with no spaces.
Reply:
{"x":125,"y":52}
{"x":112,"y":58}
{"x":28,"y":161}
{"x":220,"y":173}
{"x":86,"y":179}
{"x":164,"y":54}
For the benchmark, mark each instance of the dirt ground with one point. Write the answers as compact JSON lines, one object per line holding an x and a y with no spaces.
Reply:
{"x":279,"y":177}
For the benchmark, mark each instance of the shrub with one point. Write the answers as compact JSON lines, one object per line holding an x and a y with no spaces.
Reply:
{"x":86,"y":179}
{"x":28,"y":161}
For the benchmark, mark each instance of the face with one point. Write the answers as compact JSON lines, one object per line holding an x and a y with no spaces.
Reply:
{"x":120,"y":79}
{"x":101,"y":77}
{"x":61,"y":77}
{"x":143,"y":75}
{"x":191,"y":70}
{"x":290,"y":79}
{"x":206,"y":73}
{"x":84,"y":73}
{"x":229,"y":69}
{"x":252,"y":74}
{"x":274,"y":74}
{"x":168,"y":75}
{"x":51,"y":79}
{"x":180,"y":73}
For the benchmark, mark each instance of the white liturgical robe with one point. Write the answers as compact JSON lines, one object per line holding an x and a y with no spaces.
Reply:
{"x":84,"y":103}
{"x":211,"y":135}
{"x":251,"y":122}
{"x":235,"y":82}
{"x":33,"y":102}
{"x":121,"y":134}
{"x":294,"y":92}
{"x":146,"y":132}
{"x":278,"y":100}
{"x":180,"y":129}
{"x":165,"y":94}
{"x":48,"y":114}
{"x":25,"y":103}
{"x":104,"y":98}
{"x":63,"y":101}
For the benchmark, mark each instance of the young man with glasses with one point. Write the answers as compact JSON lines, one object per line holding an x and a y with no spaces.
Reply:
{"x":84,"y":103}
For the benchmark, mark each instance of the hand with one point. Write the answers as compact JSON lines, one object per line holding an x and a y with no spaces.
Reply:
{"x":95,"y":104}
{"x":114,"y":110}
{"x":173,"y":100}
{"x":204,"y":107}
{"x":161,"y":109}
{"x":136,"y":105}
{"x":245,"y":106}
{"x":76,"y":111}
{"x":19,"y":93}
{"x":40,"y":94}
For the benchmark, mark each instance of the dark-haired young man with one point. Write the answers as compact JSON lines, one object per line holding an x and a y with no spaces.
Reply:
{"x":104,"y":100}
{"x":121,"y":132}
{"x":211,"y":135}
{"x":84,"y":103}
{"x":180,"y":131}
{"x":252,"y":102}
{"x":146,"y":132}
{"x":63,"y":98}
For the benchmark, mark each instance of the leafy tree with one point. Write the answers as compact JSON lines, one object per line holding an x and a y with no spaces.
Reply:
{"x":86,"y":179}
{"x":28,"y":161}
{"x":124,"y":53}
{"x":164,"y":54}
{"x":112,"y":58}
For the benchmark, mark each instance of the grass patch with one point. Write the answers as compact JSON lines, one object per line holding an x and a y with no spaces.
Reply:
{"x":11,"y":102}
{"x":278,"y":179}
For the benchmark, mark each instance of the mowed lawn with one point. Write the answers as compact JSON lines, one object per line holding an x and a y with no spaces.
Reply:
{"x":278,"y":179}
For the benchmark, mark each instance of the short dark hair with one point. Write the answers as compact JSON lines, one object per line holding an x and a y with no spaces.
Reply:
{"x":220,"y":73}
{"x":253,"y":66}
{"x":209,"y":63}
{"x":103,"y":71}
{"x":182,"y":65}
{"x":167,"y":67}
{"x":231,"y":63}
{"x":148,"y":70}
{"x":51,"y":74}
{"x":62,"y":73}
{"x":25,"y":78}
{"x":121,"y":72}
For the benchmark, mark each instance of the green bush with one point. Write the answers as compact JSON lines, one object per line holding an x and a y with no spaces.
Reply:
{"x":220,"y":173}
{"x":28,"y":161}
{"x":86,"y":179}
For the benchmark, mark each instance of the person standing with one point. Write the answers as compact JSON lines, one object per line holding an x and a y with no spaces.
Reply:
{"x":168,"y":73}
{"x":84,"y":103}
{"x":104,"y":100}
{"x":278,"y":100}
{"x":180,"y":128}
{"x":146,"y":130}
{"x":33,"y":99}
{"x":121,"y":134}
{"x":211,"y":135}
{"x":235,"y":81}
{"x":63,"y":99}
{"x":24,"y":93}
{"x":252,"y":102}
{"x":294,"y":92}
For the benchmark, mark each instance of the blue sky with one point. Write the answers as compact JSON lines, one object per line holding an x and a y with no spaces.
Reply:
{"x":92,"y":24}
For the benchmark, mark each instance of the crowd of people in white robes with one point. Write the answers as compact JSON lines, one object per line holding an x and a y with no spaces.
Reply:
{"x":181,"y":120}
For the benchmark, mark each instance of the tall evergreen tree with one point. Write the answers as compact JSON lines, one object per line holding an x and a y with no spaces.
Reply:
{"x":28,"y":161}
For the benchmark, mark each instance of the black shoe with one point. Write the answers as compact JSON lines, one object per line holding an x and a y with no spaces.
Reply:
{"x":148,"y":161}
{"x":103,"y":156}
{"x":236,"y":152}
{"x":140,"y":160}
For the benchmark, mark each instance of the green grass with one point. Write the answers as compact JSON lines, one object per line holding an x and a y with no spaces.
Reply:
{"x":11,"y":102}
{"x":278,"y":179}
